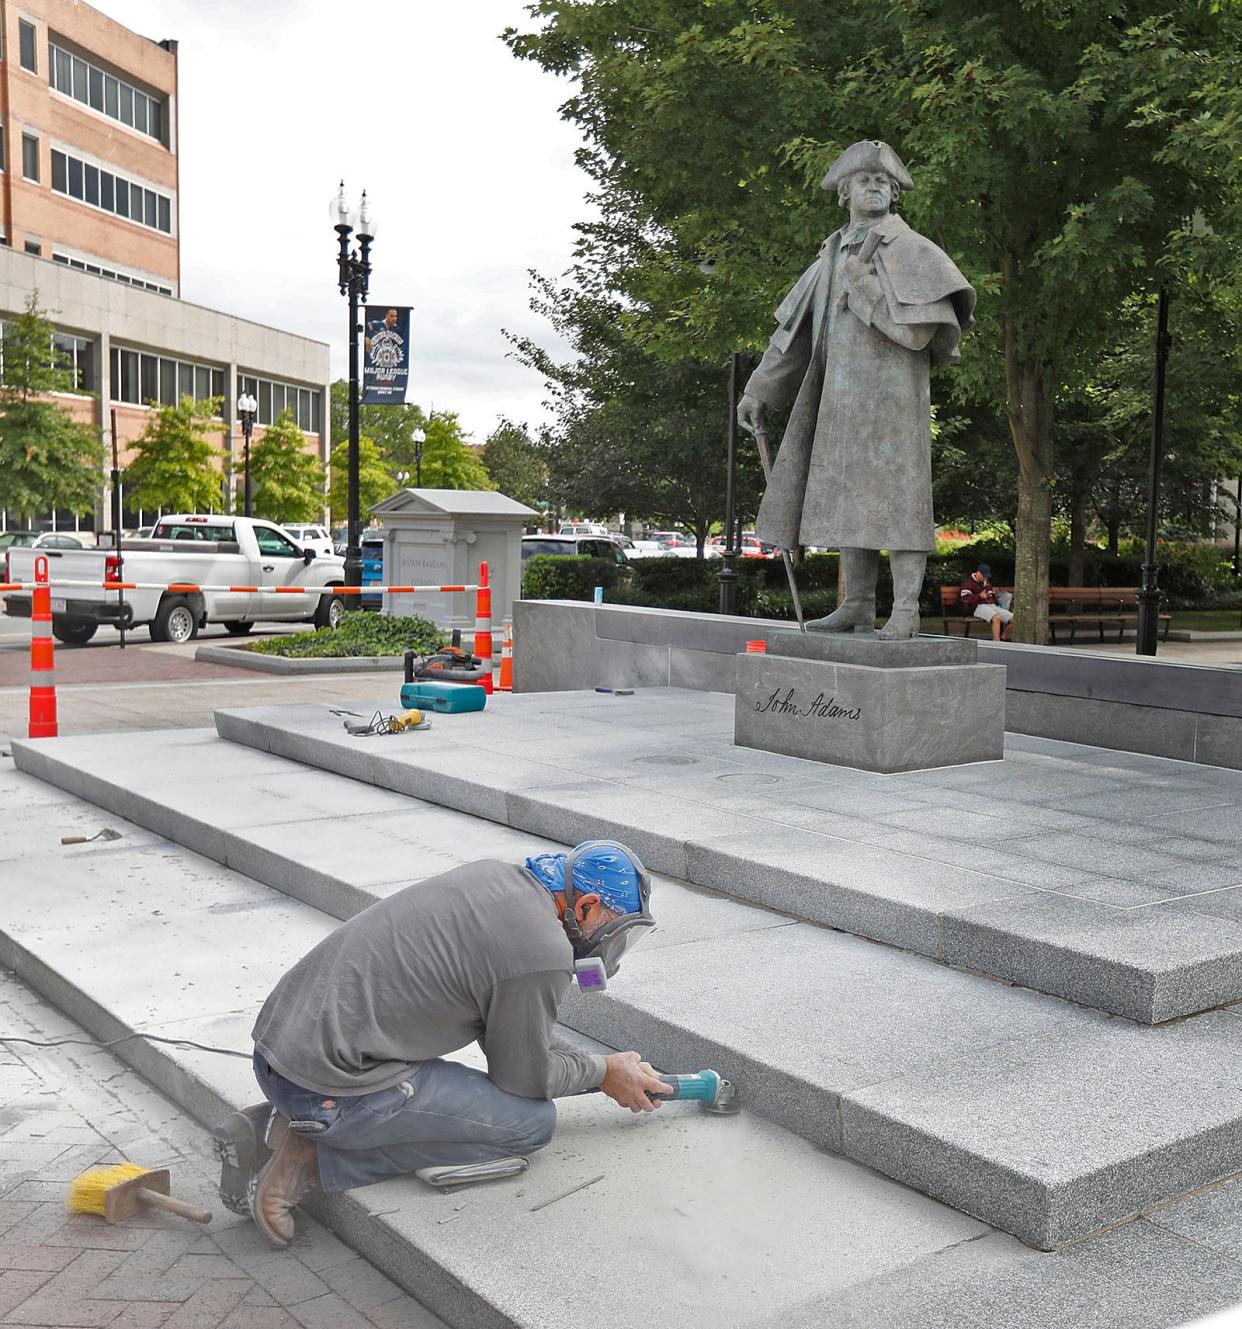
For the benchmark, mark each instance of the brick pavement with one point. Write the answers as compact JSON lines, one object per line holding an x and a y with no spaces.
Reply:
{"x":66,"y":1109}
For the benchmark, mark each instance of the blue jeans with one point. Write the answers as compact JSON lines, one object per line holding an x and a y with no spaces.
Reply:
{"x":443,"y":1114}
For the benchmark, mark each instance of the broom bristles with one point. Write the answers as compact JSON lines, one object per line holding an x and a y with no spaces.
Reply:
{"x":89,"y":1192}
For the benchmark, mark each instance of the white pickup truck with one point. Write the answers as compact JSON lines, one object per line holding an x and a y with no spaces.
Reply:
{"x":233,"y":553}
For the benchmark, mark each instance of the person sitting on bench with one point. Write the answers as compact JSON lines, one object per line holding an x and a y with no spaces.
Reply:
{"x":980,"y":599}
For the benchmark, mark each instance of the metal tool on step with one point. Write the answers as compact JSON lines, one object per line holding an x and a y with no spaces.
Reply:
{"x":106,"y":834}
{"x":467,"y":1174}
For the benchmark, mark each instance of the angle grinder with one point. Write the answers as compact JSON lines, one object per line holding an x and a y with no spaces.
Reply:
{"x":717,"y":1095}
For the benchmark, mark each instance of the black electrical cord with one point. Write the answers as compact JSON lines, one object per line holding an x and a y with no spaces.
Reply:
{"x":153,"y":1038}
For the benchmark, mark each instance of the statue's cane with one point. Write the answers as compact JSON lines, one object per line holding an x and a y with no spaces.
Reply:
{"x":761,"y":440}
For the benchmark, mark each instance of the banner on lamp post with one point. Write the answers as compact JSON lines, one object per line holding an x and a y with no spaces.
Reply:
{"x":386,"y":355}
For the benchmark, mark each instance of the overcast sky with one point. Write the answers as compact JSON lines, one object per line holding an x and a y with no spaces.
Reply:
{"x":459,"y":145}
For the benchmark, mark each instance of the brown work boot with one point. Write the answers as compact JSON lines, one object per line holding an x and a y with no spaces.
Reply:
{"x":240,"y":1142}
{"x":290,"y":1175}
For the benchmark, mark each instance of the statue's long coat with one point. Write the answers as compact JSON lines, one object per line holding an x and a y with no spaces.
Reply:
{"x":854,"y":466}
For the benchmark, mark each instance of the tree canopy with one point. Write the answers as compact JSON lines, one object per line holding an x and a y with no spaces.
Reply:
{"x":1070,"y":157}
{"x":517,"y":464}
{"x":48,"y":459}
{"x":175,"y":466}
{"x":375,"y":482}
{"x":286,"y":481}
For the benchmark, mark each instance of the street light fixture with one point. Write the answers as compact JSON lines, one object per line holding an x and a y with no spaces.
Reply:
{"x":353,"y":277}
{"x":247,"y":409}
{"x":420,"y":437}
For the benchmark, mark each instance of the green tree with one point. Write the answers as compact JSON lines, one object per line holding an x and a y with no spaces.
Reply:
{"x":391,"y":427}
{"x":286,"y":480}
{"x":1068,"y":156}
{"x":47,"y":458}
{"x":176,"y":466}
{"x":634,"y":433}
{"x":375,"y":481}
{"x":448,"y":460}
{"x":517,"y":465}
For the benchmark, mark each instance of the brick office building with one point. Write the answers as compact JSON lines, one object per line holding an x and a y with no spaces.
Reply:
{"x":90,"y":221}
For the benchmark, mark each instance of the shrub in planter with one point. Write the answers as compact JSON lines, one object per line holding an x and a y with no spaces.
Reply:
{"x":359,"y":633}
{"x":568,"y":577}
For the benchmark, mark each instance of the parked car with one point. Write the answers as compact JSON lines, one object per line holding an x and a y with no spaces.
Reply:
{"x":645,"y":549}
{"x":671,"y":538}
{"x":371,"y":543}
{"x":749,"y":547}
{"x":312,"y":537}
{"x":187,"y":551}
{"x":40,"y":540}
{"x":590,"y":546}
{"x":584,"y":528}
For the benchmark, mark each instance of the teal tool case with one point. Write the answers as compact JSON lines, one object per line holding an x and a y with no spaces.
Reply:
{"x":443,"y":698}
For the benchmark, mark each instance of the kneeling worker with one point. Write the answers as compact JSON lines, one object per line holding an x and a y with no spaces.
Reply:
{"x":348,"y":1046}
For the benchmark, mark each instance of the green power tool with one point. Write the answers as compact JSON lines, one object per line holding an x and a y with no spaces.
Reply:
{"x":717,"y":1095}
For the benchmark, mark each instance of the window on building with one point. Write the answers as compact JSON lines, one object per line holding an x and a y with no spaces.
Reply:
{"x":35,"y":248}
{"x":77,"y":355}
{"x":30,"y":157}
{"x":26,"y":41}
{"x":139,"y":378}
{"x":101,"y":189}
{"x":274,"y":398}
{"x":3,"y":149}
{"x":104,"y":92}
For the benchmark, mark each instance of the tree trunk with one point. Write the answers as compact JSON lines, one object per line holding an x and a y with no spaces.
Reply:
{"x":1030,"y":424}
{"x":1080,"y":489}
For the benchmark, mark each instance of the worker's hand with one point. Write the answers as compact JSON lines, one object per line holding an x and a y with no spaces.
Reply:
{"x":628,"y":1080}
{"x":750,"y":414}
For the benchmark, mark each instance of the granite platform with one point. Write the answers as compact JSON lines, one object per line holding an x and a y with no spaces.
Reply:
{"x":1112,"y":880}
{"x":1037,"y":1115}
{"x":703,"y":1206}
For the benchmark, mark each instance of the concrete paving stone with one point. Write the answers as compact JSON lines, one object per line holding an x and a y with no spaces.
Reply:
{"x":1216,"y":904}
{"x":359,"y":1284}
{"x":868,"y":803}
{"x":51,"y":1259}
{"x":655,"y":826}
{"x":329,"y":1312}
{"x":982,"y":817}
{"x":869,"y":891}
{"x":1177,"y":859}
{"x":142,"y":1315}
{"x":1152,"y":798}
{"x":209,"y":1305}
{"x":998,"y":858}
{"x":1213,"y":1219}
{"x":1148,"y":1106}
{"x":404,"y":1313}
{"x":1221,"y":824}
{"x":1135,"y":1278}
{"x":19,"y":1285}
{"x":1149,"y":964}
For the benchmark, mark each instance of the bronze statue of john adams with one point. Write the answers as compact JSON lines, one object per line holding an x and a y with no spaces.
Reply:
{"x":853,"y":352}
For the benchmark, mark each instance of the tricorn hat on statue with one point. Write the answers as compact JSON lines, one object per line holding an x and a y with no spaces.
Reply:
{"x":867,"y":155}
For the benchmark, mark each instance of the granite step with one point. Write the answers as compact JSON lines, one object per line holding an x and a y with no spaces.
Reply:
{"x":1046,"y":1119}
{"x":143,"y":935}
{"x":1110,"y":879}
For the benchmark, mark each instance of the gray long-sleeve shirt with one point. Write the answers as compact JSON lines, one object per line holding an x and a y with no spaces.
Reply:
{"x":474,"y":953}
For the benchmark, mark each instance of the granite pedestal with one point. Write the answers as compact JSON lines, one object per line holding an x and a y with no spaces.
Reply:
{"x":884,"y":706}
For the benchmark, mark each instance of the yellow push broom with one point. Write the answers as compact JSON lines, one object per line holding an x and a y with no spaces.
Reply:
{"x":117,"y":1192}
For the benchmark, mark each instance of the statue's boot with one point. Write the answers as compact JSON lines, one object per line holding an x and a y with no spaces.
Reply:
{"x":857,"y":608}
{"x":908,"y":568}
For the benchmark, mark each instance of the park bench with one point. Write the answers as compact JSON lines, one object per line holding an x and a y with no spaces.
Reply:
{"x":1068,"y":606}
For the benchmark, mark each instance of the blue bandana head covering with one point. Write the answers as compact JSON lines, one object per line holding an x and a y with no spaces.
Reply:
{"x":604,"y":870}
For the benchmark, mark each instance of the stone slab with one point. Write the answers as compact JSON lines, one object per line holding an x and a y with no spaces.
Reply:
{"x":847,"y":848}
{"x":238,"y":657}
{"x":868,"y":649}
{"x":1163,"y":733}
{"x":881,"y":719}
{"x":860,"y":1021}
{"x":707,"y":1221}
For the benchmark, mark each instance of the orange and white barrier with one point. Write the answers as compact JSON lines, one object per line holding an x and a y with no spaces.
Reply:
{"x":42,"y":661}
{"x":506,"y":661}
{"x":191,"y":588}
{"x":483,"y":627}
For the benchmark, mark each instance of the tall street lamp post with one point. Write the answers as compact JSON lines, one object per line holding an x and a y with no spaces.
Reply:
{"x":1148,"y":592}
{"x":353,"y":276}
{"x":247,"y":409}
{"x":728,"y":563}
{"x":420,"y":437}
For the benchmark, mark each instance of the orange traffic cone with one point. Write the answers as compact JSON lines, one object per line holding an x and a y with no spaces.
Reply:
{"x":42,"y":665}
{"x":483,"y":627}
{"x":506,"y":660}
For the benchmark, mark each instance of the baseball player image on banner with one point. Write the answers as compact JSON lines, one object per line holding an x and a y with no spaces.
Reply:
{"x":386,"y":355}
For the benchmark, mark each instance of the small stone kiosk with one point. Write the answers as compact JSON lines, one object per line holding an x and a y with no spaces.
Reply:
{"x":438,"y":537}
{"x":854,"y":700}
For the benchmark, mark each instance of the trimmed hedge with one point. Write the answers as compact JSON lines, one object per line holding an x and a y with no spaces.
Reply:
{"x":568,"y":577}
{"x":359,"y":633}
{"x":1191,"y":577}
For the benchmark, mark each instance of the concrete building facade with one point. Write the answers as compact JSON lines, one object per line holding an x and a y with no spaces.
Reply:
{"x":90,"y":227}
